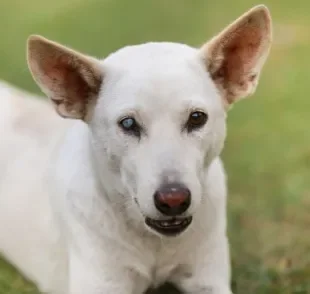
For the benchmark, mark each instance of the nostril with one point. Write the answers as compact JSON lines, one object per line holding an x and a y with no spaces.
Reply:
{"x":172,"y":199}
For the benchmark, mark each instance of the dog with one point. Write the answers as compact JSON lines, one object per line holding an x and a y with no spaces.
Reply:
{"x":128,"y":192}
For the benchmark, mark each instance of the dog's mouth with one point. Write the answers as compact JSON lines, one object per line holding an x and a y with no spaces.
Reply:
{"x":169,"y":227}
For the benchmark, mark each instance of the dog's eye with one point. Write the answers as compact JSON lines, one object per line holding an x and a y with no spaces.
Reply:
{"x":196,"y":120}
{"x":129,"y":125}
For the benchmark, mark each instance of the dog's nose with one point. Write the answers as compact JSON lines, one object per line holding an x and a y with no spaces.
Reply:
{"x":172,"y":199}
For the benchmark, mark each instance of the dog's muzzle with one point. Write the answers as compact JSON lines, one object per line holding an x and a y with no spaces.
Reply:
{"x":169,"y":227}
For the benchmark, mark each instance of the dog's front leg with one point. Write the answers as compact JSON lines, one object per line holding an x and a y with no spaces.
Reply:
{"x":213,"y":288}
{"x":208,"y":272}
{"x":206,"y":286}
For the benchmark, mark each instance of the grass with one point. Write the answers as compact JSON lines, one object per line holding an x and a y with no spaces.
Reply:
{"x":267,"y":154}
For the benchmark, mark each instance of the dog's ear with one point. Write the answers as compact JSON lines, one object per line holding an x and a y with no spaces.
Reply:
{"x":70,"y":79}
{"x":235,"y":57}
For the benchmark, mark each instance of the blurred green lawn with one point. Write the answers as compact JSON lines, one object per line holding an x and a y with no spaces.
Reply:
{"x":267,"y":154}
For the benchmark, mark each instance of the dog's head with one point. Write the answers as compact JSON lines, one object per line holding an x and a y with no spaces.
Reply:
{"x":156,"y":111}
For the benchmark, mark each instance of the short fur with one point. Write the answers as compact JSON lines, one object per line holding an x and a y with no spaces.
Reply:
{"x":74,"y":194}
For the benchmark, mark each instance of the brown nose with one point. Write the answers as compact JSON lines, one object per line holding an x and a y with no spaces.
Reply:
{"x":172,"y":199}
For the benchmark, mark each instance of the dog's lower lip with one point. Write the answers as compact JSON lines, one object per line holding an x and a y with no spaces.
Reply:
{"x":169,"y":227}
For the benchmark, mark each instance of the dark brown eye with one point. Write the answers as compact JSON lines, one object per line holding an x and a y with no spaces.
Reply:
{"x":196,"y":120}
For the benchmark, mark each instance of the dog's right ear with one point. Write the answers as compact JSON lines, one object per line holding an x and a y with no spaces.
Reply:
{"x":70,"y":79}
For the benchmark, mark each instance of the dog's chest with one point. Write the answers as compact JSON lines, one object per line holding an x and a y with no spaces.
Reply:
{"x":162,"y":272}
{"x":166,"y":261}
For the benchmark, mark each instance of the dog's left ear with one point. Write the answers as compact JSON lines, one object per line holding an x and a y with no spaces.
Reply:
{"x":70,"y":79}
{"x":235,"y":57}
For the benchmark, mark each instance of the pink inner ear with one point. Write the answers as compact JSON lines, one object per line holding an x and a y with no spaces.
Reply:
{"x":236,"y":56}
{"x":241,"y":54}
{"x":63,"y":76}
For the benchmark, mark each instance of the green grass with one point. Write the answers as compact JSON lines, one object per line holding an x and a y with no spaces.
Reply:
{"x":267,"y":154}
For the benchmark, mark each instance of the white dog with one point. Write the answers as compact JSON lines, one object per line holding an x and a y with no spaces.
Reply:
{"x":131,"y":194}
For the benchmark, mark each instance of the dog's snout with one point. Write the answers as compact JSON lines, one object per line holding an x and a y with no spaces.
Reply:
{"x":172,"y":199}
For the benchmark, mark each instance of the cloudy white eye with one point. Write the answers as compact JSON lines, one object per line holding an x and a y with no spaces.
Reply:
{"x":130,"y":126}
{"x":127,"y":123}
{"x":196,"y":120}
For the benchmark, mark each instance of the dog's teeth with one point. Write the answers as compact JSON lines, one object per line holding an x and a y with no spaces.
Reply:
{"x":165,"y":224}
{"x":170,"y":223}
{"x":177,"y":222}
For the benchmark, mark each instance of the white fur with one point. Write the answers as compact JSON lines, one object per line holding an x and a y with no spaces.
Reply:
{"x":98,"y":232}
{"x":74,"y":195}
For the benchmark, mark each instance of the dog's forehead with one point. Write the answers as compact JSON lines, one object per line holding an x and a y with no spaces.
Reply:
{"x":161,"y":64}
{"x":150,"y":54}
{"x":154,"y":74}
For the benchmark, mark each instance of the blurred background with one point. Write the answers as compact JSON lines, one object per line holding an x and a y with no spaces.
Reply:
{"x":267,"y":155}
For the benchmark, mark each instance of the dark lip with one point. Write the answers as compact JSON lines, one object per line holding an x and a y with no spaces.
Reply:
{"x":169,"y":227}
